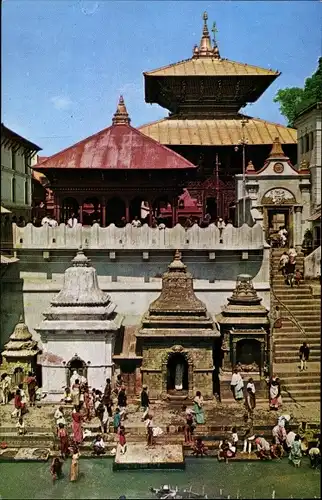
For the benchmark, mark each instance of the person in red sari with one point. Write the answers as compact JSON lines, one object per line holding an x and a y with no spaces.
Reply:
{"x":31,"y":386}
{"x":17,"y":404}
{"x":77,"y":425}
{"x":64,"y":441}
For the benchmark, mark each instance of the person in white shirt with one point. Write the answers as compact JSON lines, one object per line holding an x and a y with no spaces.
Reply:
{"x":289,"y":439}
{"x":221,"y":226}
{"x":283,"y":262}
{"x":45,"y":220}
{"x":72,"y":222}
{"x":20,"y":425}
{"x":251,"y":385}
{"x":136,"y":222}
{"x":59,"y":416}
{"x":52,"y":223}
{"x":282,"y":233}
{"x":99,"y":445}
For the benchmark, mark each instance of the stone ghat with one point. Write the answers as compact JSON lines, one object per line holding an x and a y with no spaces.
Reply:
{"x":143,"y":238}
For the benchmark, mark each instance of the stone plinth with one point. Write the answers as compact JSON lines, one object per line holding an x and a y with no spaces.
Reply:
{"x":139,"y":456}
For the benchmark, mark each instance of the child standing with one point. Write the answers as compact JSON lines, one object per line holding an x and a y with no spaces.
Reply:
{"x":117,"y":420}
{"x":297,"y":277}
{"x":21,"y":426}
{"x":234,"y":436}
{"x":122,"y":440}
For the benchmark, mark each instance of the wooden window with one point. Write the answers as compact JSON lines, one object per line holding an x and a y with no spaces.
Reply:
{"x":26,"y":192}
{"x":27,"y":164}
{"x":13,"y":159}
{"x":311,"y":139}
{"x":13,"y":190}
{"x":306,"y":143}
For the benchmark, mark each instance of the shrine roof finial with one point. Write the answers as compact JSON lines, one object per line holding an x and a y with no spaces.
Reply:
{"x":277,"y":150}
{"x":121,"y":115}
{"x":205,"y":48}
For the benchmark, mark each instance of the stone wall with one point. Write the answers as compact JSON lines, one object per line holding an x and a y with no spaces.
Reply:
{"x":132,"y":282}
{"x":143,"y":238}
{"x":312,"y":264}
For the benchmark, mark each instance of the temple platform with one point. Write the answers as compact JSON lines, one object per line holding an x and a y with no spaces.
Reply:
{"x":24,"y":454}
{"x":138,"y":456}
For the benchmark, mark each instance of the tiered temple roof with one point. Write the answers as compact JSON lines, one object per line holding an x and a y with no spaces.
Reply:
{"x":119,"y":147}
{"x":177,"y":312}
{"x":20,"y":345}
{"x":244,"y":307}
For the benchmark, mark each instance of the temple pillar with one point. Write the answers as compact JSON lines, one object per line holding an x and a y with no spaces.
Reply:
{"x":81,"y":213}
{"x":127,"y":211}
{"x":298,"y":227}
{"x":103,"y":211}
{"x":57,"y":208}
{"x":174,"y":211}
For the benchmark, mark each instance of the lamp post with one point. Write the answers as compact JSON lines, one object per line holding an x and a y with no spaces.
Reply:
{"x":243,"y":143}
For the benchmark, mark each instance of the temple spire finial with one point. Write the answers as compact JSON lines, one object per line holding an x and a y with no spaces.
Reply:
{"x":205,"y":48}
{"x":121,"y":115}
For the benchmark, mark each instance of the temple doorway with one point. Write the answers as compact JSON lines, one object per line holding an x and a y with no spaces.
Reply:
{"x":278,"y":217}
{"x":248,"y":351}
{"x":211,"y":208}
{"x":115,"y":211}
{"x":78,"y":365}
{"x":177,"y":374}
{"x":18,"y":376}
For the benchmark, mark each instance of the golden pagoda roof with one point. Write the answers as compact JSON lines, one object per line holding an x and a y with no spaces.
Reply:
{"x":211,"y":66}
{"x":217,"y":132}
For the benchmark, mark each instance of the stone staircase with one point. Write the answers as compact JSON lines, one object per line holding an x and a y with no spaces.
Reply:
{"x":301,"y":322}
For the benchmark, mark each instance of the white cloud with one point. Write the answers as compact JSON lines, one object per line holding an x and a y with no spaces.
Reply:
{"x":61,"y":102}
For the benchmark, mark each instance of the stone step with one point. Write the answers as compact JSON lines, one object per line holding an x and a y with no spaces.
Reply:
{"x":280,"y":359}
{"x":284,"y":346}
{"x":303,"y":399}
{"x":301,"y":387}
{"x":283,"y":334}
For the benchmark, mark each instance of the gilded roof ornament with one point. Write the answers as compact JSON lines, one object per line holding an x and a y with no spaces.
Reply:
{"x":205,"y":47}
{"x":121,"y":115}
{"x":277,"y":150}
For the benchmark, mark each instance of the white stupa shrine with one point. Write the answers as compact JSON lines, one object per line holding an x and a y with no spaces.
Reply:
{"x":78,"y":332}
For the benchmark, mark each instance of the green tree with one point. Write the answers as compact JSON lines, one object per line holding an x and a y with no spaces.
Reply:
{"x":293,"y":100}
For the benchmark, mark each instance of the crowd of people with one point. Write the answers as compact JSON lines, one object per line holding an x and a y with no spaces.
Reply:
{"x":287,"y":266}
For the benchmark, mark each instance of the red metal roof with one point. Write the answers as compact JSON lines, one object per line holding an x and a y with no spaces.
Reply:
{"x":120,"y":147}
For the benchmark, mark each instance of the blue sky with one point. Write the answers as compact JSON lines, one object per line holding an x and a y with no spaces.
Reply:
{"x":64,"y":63}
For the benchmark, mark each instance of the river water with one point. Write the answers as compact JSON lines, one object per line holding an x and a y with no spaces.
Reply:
{"x":97,"y":480}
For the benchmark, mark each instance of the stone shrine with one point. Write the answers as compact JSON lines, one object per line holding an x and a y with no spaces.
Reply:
{"x":244,"y":327}
{"x":176,"y":339}
{"x":20,"y":354}
{"x":79,"y":331}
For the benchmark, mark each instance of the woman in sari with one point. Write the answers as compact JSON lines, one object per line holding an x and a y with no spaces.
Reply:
{"x":77,"y":425}
{"x":75,"y":393}
{"x":275,"y":399}
{"x":89,"y":404}
{"x":63,"y":439}
{"x":198,"y":408}
{"x":237,"y":385}
{"x":74,"y":468}
{"x":296,"y":452}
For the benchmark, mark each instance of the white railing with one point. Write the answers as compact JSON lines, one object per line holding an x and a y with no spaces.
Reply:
{"x":143,"y":238}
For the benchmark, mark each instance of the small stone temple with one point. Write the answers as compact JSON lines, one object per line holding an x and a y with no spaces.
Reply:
{"x":176,"y":339}
{"x":79,"y":331}
{"x":244,"y":327}
{"x":20,"y":354}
